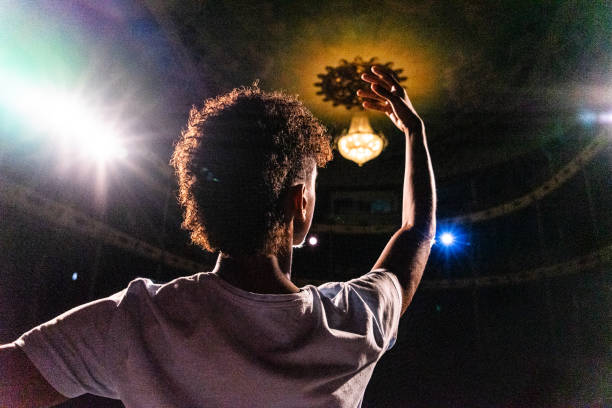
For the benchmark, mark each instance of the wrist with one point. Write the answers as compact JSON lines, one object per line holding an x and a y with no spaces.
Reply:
{"x":415,"y":129}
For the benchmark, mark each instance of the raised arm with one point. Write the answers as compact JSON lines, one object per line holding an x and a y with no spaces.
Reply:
{"x":21,"y":385}
{"x":407,"y":251}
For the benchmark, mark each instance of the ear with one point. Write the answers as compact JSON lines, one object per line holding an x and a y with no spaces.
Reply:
{"x":296,"y":203}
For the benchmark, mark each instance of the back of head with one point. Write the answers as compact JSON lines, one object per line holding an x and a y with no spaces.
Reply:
{"x":235,"y":161}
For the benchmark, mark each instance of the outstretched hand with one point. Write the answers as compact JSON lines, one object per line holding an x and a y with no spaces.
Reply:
{"x":387,"y":95}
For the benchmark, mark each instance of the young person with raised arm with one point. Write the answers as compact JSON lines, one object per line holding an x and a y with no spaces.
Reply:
{"x":242,"y":335}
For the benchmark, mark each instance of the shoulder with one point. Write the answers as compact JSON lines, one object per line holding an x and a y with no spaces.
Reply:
{"x":369,"y":306}
{"x":368,"y":293}
{"x":375,"y":281}
{"x":382,"y":278}
{"x":145,"y":287}
{"x":150,"y":302}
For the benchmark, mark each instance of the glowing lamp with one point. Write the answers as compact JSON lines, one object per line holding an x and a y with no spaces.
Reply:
{"x":360,"y":143}
{"x":313,"y":241}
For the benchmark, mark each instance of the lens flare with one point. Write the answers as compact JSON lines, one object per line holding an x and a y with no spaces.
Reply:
{"x":65,"y":116}
{"x":447,"y":239}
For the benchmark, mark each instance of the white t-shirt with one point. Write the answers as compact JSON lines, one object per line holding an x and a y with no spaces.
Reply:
{"x":200,"y":342}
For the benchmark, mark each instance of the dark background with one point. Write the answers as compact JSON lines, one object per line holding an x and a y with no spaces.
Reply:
{"x":508,"y":91}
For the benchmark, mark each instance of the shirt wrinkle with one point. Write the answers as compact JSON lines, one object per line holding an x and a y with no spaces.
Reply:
{"x":202,"y":342}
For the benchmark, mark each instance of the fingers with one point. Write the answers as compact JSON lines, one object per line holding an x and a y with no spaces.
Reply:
{"x":368,"y":94}
{"x":378,"y":95}
{"x":384,"y":93}
{"x":373,"y":101}
{"x":374,"y":79}
{"x":388,"y":77}
{"x":379,"y":85}
{"x":387,"y":95}
{"x":377,"y":106}
{"x":384,"y":90}
{"x":378,"y":75}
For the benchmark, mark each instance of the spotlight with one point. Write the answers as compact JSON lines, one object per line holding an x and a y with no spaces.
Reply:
{"x":451,"y":242}
{"x":605,"y":117}
{"x":70,"y":118}
{"x":103,"y":147}
{"x":313,"y":241}
{"x":447,"y":239}
{"x":590,"y":118}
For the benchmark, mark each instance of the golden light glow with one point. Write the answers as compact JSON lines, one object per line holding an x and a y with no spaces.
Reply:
{"x":320,"y":46}
{"x":360,"y":144}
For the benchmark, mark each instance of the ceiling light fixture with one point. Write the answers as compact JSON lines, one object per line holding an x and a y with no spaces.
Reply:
{"x":360,"y":143}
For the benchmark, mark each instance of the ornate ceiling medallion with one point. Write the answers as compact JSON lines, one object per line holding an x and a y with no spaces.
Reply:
{"x":360,"y":143}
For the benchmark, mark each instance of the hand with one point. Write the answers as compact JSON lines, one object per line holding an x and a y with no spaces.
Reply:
{"x":387,"y":95}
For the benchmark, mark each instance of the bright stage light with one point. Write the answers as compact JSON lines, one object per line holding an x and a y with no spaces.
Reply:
{"x":605,"y":117}
{"x":103,"y":147}
{"x":447,"y":239}
{"x":451,"y":241}
{"x":73,"y":120}
{"x":590,"y":118}
{"x":313,"y":241}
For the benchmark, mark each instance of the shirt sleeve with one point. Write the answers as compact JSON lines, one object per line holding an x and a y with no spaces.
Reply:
{"x":70,"y":350}
{"x":369,"y":306}
{"x":381,"y":291}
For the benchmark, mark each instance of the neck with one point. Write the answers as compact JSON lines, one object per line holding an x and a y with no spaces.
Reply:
{"x":258,"y":273}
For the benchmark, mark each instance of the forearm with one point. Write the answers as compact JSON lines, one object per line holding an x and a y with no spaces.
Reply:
{"x":406,"y":256}
{"x":408,"y":249}
{"x":419,"y":195}
{"x":21,"y":385}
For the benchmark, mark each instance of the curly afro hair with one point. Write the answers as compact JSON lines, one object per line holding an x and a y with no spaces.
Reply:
{"x":235,"y":161}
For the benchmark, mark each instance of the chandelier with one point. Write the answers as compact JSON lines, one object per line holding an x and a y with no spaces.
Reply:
{"x":360,"y":143}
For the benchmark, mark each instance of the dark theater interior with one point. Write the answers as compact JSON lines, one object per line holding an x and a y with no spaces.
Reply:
{"x":515,"y":305}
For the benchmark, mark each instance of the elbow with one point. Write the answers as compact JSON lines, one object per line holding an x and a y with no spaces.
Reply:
{"x":423,"y":228}
{"x":424,"y":220}
{"x":427,"y":224}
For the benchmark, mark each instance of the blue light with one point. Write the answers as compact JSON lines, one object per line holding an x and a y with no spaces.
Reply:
{"x":452,"y":244}
{"x":447,"y":239}
{"x":75,"y":276}
{"x":451,"y":239}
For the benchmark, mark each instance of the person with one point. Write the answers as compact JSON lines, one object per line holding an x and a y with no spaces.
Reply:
{"x":243,"y":334}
